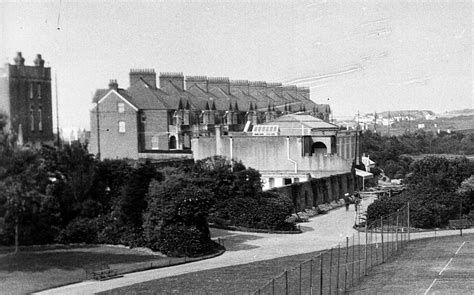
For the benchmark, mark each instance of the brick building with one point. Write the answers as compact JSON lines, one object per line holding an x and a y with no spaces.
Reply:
{"x":150,"y":120}
{"x":25,"y":97}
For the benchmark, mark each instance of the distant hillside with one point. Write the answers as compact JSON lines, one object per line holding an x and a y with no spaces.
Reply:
{"x":456,"y":113}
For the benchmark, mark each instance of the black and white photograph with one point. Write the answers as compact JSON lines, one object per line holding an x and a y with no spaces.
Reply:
{"x":236,"y":147}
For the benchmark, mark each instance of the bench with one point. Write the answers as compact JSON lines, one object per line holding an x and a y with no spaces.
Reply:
{"x":104,"y":274}
{"x":459,"y":223}
{"x":100,"y":272}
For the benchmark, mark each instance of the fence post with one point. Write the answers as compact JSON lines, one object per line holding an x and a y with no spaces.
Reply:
{"x":330,"y":271}
{"x":345,"y":264}
{"x":381,"y":235}
{"x":286,"y":282}
{"x":365,"y":250}
{"x":311,"y":276}
{"x":338,"y":265}
{"x":273,"y":286}
{"x":408,"y":219}
{"x":396,"y":232}
{"x":353,"y":260}
{"x":358,"y":254}
{"x":301,"y":266}
{"x":321,"y":273}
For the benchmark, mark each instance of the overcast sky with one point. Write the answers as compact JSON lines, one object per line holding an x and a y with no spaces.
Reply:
{"x":355,"y":55}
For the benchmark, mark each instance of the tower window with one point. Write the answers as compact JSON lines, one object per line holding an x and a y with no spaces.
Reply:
{"x":122,"y":126}
{"x":39,"y":90}
{"x":31,"y":89}
{"x":40,"y":119}
{"x":32,"y":120}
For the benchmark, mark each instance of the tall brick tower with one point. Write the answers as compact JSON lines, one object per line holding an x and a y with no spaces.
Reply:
{"x":25,"y":96}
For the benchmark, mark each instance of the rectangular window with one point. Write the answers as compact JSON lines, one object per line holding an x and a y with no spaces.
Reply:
{"x":121,"y":107}
{"x":39,"y":90}
{"x":286,"y":181}
{"x":122,"y":126}
{"x":155,"y":143}
{"x":31,"y":90}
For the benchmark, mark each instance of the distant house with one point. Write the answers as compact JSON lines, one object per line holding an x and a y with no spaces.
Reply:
{"x":292,"y":148}
{"x":25,"y":97}
{"x":156,"y":121}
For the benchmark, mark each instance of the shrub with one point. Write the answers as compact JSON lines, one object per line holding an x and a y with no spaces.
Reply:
{"x":79,"y":230}
{"x":179,"y":239}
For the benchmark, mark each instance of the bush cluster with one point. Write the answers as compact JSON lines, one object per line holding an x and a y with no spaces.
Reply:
{"x":68,"y":196}
{"x":436,"y":189}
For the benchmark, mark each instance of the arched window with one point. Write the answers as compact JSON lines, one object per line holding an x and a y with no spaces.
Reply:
{"x":40,"y":119}
{"x":319,"y":148}
{"x":172,"y":143}
{"x":39,"y":90}
{"x":32,"y":119}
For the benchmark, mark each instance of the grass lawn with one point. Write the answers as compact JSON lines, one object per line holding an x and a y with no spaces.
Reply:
{"x":410,"y":270}
{"x":39,"y":268}
{"x":239,"y":279}
{"x":442,"y":265}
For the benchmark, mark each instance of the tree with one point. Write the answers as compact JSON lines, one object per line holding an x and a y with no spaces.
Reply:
{"x":22,"y":185}
{"x":133,"y":202}
{"x":175,"y":221}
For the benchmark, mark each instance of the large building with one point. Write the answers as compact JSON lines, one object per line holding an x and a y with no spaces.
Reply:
{"x":158,"y":120}
{"x":292,"y":148}
{"x":25,"y":97}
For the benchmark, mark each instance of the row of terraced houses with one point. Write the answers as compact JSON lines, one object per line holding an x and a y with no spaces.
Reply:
{"x":159,"y":120}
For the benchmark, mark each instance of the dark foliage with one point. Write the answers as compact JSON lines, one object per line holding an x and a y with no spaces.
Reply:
{"x":433,"y":190}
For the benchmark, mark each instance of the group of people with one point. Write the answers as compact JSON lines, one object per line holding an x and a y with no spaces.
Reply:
{"x":352,"y":199}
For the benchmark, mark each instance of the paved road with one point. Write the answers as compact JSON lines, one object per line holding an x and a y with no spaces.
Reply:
{"x":321,"y":232}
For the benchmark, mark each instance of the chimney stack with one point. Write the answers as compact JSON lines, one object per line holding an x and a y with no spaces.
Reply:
{"x":242,"y":85}
{"x":113,"y":84}
{"x":177,"y":79}
{"x":19,"y":60}
{"x":147,"y":75}
{"x":200,"y":81}
{"x":39,"y":62}
{"x":219,"y":82}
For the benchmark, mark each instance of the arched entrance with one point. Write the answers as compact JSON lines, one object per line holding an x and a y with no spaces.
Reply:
{"x":319,"y":148}
{"x":172,"y":144}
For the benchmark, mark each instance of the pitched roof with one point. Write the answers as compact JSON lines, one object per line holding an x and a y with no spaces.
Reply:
{"x":295,"y":121}
{"x":146,"y":97}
